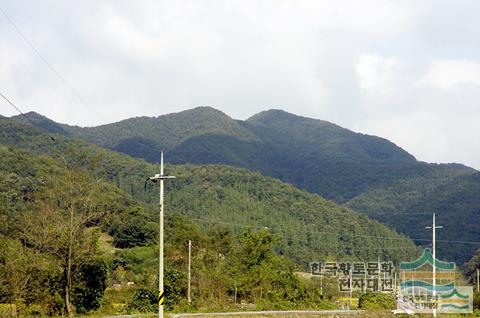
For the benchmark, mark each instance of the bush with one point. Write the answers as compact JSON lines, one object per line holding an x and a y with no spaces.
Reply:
{"x":88,"y":295}
{"x":377,"y":301}
{"x":133,"y":229}
{"x":476,"y":300}
{"x":144,"y":301}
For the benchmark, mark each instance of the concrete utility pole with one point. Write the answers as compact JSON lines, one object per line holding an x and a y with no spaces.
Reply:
{"x":189,"y":270}
{"x":161,"y":295}
{"x":434,"y":278}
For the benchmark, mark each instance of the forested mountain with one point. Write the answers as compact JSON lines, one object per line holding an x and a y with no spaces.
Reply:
{"x":450,"y":192}
{"x":308,"y":226}
{"x":312,"y":154}
{"x":75,"y":217}
{"x":58,"y":257}
{"x":365,"y":173}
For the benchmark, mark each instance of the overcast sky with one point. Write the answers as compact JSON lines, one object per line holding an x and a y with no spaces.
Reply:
{"x":408,"y":71}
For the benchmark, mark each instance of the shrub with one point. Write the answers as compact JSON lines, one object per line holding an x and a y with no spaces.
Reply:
{"x":144,"y":301}
{"x":377,"y":301}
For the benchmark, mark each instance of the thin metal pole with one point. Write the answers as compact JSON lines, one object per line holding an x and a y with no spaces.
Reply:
{"x":235,"y":300}
{"x":478,"y":280}
{"x":321,"y":285}
{"x":434,"y":270}
{"x":189,"y":270}
{"x":160,"y":265}
{"x":365,"y":282}
{"x":351,"y":292}
{"x":379,"y":270}
{"x":434,"y":283}
{"x":395,"y":281}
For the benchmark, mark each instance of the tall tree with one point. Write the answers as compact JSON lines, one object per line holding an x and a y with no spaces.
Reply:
{"x":63,"y":225}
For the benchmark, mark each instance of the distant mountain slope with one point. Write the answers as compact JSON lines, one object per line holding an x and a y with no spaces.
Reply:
{"x":296,"y":133}
{"x":407,"y":204}
{"x":312,"y":154}
{"x":366,"y":173}
{"x":309,"y":227}
{"x":138,"y":136}
{"x":41,"y":122}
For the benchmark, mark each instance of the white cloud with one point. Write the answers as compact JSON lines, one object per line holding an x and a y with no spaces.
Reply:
{"x":405,"y":70}
{"x":445,"y":74}
{"x":376,"y":73}
{"x":432,"y":136}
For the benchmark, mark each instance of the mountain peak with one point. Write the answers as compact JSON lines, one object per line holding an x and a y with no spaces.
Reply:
{"x":40,"y":121}
{"x":203,"y":111}
{"x":31,"y":115}
{"x":272,"y":114}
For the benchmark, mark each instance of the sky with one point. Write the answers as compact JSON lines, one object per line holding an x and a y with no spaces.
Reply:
{"x":405,"y":70}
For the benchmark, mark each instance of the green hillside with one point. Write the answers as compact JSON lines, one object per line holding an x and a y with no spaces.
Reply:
{"x":308,"y":226}
{"x":446,"y":190}
{"x":136,"y":136}
{"x":312,"y":154}
{"x":58,"y":219}
{"x":365,"y":173}
{"x":70,"y":207}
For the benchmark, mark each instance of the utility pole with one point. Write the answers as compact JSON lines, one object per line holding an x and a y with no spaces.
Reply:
{"x":395,"y":282}
{"x":379,"y":268}
{"x":351,"y":290}
{"x":321,"y":285}
{"x":189,"y":270}
{"x":161,"y":295}
{"x":434,"y":278}
{"x":235,"y":299}
{"x":478,"y":280}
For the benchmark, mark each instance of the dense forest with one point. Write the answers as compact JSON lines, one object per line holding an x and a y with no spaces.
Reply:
{"x":76,"y":219}
{"x":364,"y":173}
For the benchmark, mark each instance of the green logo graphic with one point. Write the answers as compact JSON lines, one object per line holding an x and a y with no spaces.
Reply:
{"x":422,"y":289}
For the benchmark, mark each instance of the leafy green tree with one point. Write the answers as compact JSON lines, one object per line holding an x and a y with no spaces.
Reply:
{"x":134,"y":227}
{"x":91,"y":279}
{"x":145,"y":300}
{"x":61,"y":226}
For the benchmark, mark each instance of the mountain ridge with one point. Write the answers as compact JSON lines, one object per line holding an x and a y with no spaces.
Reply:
{"x":366,"y":173}
{"x":218,"y":194}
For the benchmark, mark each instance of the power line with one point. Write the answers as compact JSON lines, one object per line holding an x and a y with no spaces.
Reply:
{"x":83,"y":100}
{"x":133,"y":199}
{"x":49,"y":65}
{"x":62,"y":79}
{"x":16,"y":108}
{"x":22,"y":113}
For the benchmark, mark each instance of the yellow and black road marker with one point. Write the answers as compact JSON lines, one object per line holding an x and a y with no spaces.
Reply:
{"x":161,"y":297}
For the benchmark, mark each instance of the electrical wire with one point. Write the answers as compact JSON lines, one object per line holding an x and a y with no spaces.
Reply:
{"x":49,"y":65}
{"x":22,"y":113}
{"x":84,"y":101}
